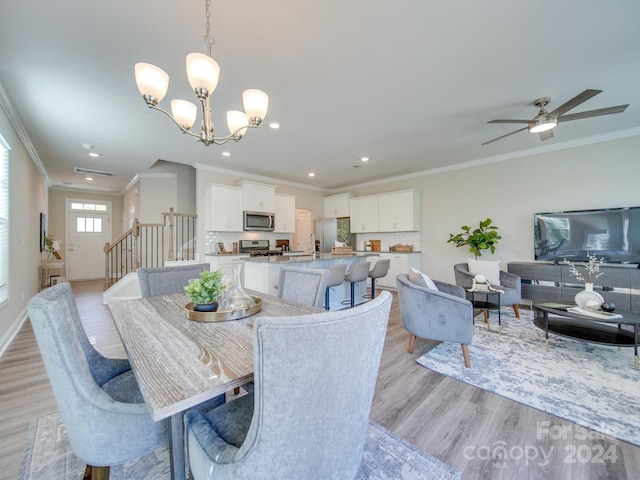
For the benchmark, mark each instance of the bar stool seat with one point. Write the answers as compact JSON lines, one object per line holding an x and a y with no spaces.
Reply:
{"x":379,"y":270}
{"x":359,"y":272}
{"x":336,"y":277}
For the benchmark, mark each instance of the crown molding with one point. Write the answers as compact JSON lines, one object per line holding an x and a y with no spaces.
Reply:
{"x":18,"y":126}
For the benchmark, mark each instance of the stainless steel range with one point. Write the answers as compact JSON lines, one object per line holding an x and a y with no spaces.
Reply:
{"x":257,"y":248}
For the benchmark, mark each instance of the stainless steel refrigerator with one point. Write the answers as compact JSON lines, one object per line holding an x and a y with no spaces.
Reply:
{"x":330,"y":230}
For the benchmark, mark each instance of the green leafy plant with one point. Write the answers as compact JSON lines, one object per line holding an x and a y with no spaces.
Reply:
{"x":48,"y":242}
{"x":205,"y":289}
{"x":485,"y":237}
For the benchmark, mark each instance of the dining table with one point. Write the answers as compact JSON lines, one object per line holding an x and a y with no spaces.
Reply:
{"x":180,"y":363}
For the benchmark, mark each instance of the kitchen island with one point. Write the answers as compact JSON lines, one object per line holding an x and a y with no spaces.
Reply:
{"x":262,"y":274}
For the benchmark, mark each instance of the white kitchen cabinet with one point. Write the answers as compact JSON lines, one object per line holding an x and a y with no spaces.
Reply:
{"x":336,"y":206}
{"x":399,"y":263}
{"x":285,"y":211}
{"x":258,"y":197}
{"x":399,"y":211}
{"x":224,"y":206}
{"x":364,"y":214}
{"x":262,"y":277}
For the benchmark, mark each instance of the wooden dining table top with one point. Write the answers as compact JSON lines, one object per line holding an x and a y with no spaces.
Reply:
{"x":180,"y":363}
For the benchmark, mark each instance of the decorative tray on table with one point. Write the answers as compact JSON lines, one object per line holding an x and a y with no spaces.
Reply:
{"x":223,"y":315}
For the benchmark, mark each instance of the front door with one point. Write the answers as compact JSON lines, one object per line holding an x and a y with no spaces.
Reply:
{"x":87,"y":232}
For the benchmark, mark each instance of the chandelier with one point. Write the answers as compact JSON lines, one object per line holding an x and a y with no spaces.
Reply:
{"x":203,"y":73}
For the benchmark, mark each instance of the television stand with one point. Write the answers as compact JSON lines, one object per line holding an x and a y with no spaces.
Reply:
{"x":544,"y":281}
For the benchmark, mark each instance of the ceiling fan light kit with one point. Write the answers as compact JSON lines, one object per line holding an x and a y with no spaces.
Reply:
{"x":203,"y":73}
{"x":545,"y":121}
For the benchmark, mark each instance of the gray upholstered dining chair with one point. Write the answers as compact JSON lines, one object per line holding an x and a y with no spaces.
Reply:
{"x":306,"y":286}
{"x":510,"y":285}
{"x":165,"y":280}
{"x":443,"y":314}
{"x":315,"y":430}
{"x":102,"y":409}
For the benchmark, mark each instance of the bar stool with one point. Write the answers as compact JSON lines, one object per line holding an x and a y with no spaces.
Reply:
{"x":359,"y":272}
{"x":336,"y":277}
{"x":380,"y":269}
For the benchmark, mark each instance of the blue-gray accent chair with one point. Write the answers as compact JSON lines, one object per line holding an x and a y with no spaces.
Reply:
{"x":315,"y":430}
{"x":165,"y":280}
{"x":510,"y":284}
{"x":102,"y":409}
{"x":305,"y":286}
{"x":444,"y":314}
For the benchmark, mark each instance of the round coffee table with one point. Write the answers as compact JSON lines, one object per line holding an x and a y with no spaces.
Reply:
{"x":584,"y":328}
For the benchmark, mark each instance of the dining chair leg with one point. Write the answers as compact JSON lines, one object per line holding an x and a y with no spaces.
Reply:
{"x":465,"y":355}
{"x":516,"y":311}
{"x":412,"y":339}
{"x":96,"y":473}
{"x":373,"y":288}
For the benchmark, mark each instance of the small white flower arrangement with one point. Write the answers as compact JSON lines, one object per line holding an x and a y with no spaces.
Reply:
{"x":592,"y":269}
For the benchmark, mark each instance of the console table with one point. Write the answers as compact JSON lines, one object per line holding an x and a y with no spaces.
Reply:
{"x":544,"y":281}
{"x":51,"y":269}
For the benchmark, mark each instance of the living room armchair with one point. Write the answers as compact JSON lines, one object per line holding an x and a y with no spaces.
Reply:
{"x":443,"y":314}
{"x":509,"y":283}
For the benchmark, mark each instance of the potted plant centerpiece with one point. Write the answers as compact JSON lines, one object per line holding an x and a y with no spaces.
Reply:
{"x":485,"y":237}
{"x":205,"y":290}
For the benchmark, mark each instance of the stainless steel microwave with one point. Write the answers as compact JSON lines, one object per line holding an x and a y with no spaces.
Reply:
{"x":259,"y":221}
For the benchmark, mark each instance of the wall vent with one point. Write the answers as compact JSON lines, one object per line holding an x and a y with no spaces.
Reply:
{"x":88,"y":171}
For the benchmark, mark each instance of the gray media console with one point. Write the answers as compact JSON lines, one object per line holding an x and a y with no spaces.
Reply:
{"x":544,"y":281}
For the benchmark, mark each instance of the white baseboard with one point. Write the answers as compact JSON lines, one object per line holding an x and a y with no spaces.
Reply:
{"x":12,"y":331}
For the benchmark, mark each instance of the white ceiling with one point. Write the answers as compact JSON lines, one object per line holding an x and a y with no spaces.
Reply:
{"x":411,"y":84}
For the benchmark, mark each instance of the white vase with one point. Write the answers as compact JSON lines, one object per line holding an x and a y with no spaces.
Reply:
{"x":588,"y":298}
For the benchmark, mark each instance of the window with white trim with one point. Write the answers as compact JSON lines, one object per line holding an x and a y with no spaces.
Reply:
{"x":4,"y":220}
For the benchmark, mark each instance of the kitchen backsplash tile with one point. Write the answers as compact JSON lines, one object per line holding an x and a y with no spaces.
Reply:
{"x":212,"y":239}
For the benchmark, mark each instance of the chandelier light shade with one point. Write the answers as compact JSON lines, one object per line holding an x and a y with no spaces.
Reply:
{"x":203,"y":73}
{"x":152,"y":82}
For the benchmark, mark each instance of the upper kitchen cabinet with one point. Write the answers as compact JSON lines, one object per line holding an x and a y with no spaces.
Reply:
{"x":364,"y":214}
{"x":258,"y":197}
{"x":336,"y":206}
{"x":285,"y":211}
{"x":224,"y":208}
{"x":399,"y":211}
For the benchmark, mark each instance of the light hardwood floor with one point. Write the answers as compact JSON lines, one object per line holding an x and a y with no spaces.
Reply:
{"x":459,"y":424}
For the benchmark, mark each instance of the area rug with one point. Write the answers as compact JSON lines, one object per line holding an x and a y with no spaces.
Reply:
{"x":595,"y":386}
{"x":48,"y":455}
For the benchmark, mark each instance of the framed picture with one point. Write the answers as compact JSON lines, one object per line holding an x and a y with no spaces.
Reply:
{"x":43,"y":231}
{"x":221,"y":247}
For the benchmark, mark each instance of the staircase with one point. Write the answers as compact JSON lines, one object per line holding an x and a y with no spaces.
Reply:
{"x":150,"y":245}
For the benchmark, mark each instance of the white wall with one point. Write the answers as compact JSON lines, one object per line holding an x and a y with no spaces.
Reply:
{"x":599,"y":175}
{"x":27,"y":198}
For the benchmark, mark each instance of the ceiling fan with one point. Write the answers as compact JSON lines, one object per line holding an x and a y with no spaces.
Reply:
{"x":544,"y":122}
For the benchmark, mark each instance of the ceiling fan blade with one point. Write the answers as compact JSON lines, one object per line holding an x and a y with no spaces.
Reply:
{"x":593,"y":113}
{"x":574,"y":102}
{"x":519,"y":130}
{"x":546,"y":135}
{"x":509,"y":121}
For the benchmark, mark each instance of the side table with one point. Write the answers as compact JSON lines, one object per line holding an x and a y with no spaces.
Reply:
{"x":486,"y":302}
{"x":51,"y":269}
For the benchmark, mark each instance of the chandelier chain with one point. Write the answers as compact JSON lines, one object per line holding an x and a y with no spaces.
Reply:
{"x":208,"y":40}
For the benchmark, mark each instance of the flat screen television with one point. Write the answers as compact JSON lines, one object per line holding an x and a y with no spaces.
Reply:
{"x":612,"y":233}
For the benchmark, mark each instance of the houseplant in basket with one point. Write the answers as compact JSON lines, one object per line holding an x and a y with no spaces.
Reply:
{"x":205,"y":290}
{"x":485,"y":237}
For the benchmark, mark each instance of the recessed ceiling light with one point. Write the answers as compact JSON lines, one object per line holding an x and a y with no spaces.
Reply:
{"x":89,"y":179}
{"x":364,"y":159}
{"x":311,"y":174}
{"x":94,"y":154}
{"x":226,"y":154}
{"x":274,"y":125}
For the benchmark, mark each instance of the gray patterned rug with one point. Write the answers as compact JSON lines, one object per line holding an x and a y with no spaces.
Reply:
{"x":48,"y":455}
{"x":595,"y":386}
